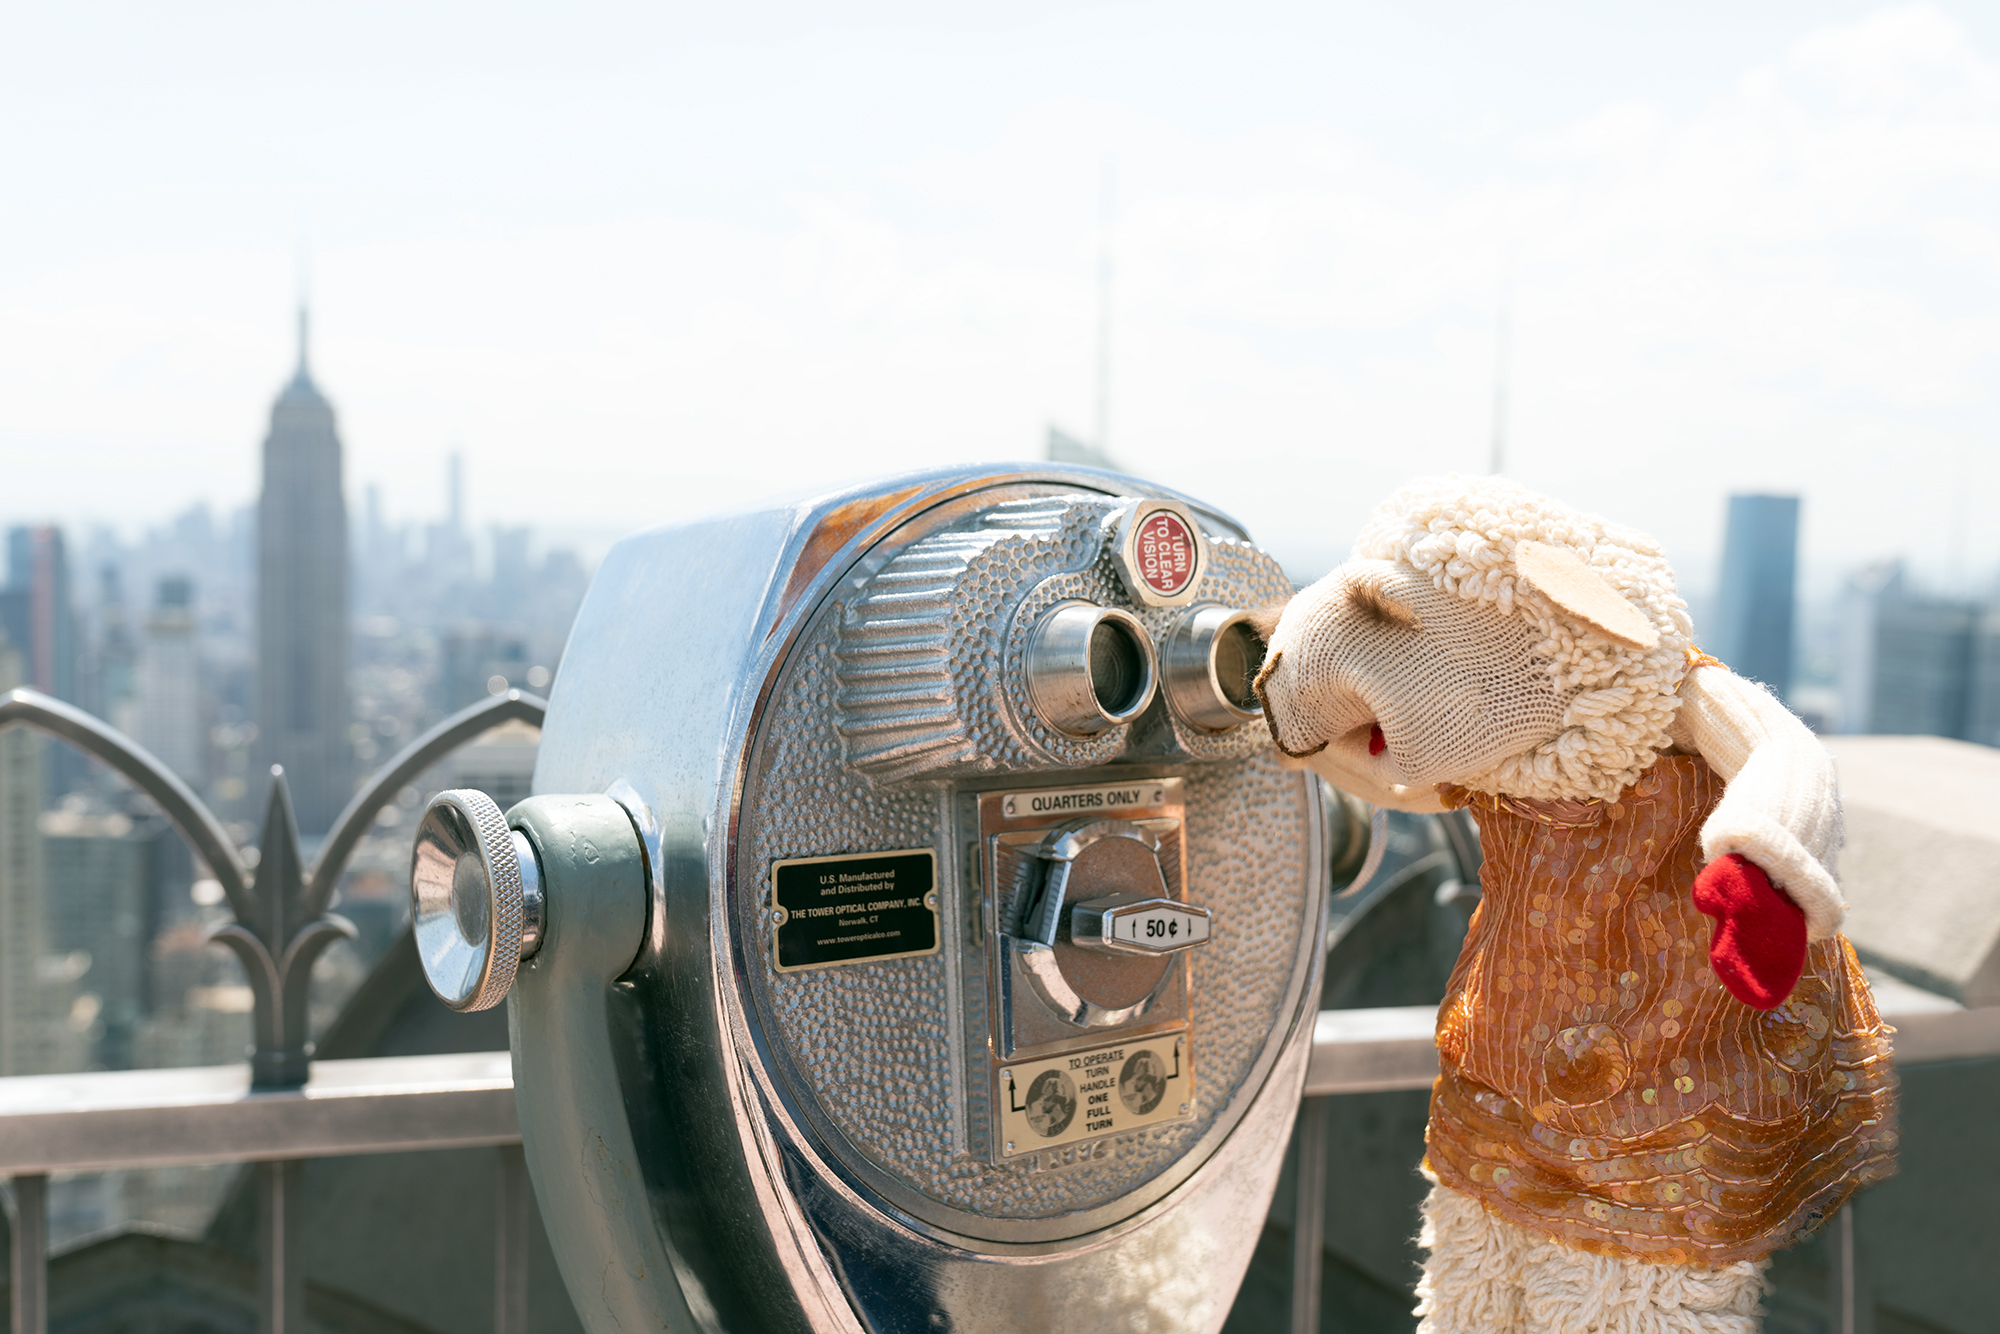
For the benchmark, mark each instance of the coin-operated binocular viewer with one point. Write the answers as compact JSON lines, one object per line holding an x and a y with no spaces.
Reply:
{"x":916,"y":930}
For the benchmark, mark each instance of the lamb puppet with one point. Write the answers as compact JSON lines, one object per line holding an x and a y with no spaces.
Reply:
{"x":1660,"y":1062}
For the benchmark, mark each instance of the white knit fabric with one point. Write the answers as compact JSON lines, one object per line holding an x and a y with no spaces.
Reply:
{"x":1781,"y":808}
{"x":1494,"y":688}
{"x":1455,"y":686}
{"x":1484,"y":1275}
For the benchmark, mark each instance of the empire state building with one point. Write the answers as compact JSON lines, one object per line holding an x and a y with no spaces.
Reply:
{"x":303,"y":710}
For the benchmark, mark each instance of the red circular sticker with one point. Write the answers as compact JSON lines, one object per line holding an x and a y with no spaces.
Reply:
{"x":1164,"y":553}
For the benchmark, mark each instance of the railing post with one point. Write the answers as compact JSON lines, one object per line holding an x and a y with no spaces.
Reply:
{"x":281,"y":1284}
{"x":30,"y":1261}
{"x":510,"y":1243}
{"x":1309,"y":1215}
{"x":1850,"y":1303}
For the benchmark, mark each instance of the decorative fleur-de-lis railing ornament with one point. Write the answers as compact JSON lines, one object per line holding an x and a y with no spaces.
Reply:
{"x":282,"y":922}
{"x":277,"y":942}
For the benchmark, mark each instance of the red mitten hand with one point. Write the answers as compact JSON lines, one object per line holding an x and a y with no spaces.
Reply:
{"x":1758,"y":947}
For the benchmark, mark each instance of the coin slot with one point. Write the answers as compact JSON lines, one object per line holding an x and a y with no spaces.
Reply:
{"x":1101,"y":861}
{"x":1111,"y":981}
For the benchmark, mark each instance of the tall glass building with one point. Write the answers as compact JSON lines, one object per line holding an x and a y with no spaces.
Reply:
{"x":1752,"y":626}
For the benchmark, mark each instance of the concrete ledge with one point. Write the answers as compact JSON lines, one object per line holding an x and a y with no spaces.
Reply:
{"x":1921,"y":865}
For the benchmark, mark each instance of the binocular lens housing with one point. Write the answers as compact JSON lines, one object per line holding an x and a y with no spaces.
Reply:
{"x":1090,"y":668}
{"x":1212,"y":659}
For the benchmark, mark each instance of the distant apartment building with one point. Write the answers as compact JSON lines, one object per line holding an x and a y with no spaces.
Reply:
{"x":500,"y":763}
{"x":112,"y":691}
{"x":20,"y":885}
{"x":35,"y":609}
{"x":1752,"y":625}
{"x":36,"y":994}
{"x":170,"y":700}
{"x":303,"y":711}
{"x":1915,"y":664}
{"x":98,"y":907}
{"x":38,"y":618}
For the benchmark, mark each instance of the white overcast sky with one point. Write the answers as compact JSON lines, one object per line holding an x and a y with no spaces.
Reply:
{"x":645,"y":261}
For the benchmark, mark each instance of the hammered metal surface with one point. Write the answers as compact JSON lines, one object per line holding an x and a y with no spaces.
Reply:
{"x":921,"y":650}
{"x":878,"y":1046}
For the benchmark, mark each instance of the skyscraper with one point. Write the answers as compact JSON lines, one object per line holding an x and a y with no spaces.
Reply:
{"x":170,"y":682}
{"x":302,"y":703}
{"x":25,"y":1021}
{"x":35,"y":609}
{"x":1752,"y":626}
{"x":36,"y":615}
{"x":112,"y":678}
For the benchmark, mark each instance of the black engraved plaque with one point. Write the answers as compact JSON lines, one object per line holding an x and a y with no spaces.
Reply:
{"x":867,"y":905}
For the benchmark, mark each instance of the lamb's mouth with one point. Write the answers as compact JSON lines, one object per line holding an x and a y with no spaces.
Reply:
{"x":1270,"y":718}
{"x":1364,"y":738}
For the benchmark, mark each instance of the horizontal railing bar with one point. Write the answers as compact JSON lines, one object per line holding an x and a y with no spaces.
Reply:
{"x":148,"y":1118}
{"x":1924,"y":1037}
{"x":1378,"y":1051}
{"x":1372,"y":1051}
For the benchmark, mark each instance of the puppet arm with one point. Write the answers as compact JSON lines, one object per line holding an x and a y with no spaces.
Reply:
{"x":1781,"y":809}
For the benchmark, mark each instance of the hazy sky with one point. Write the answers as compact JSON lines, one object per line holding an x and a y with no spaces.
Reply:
{"x":642,"y":262}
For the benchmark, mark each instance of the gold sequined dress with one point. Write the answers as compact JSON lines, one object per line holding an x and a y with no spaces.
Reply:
{"x":1600,"y":1086}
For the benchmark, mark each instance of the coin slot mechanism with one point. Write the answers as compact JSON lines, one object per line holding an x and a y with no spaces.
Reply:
{"x":1110,"y":847}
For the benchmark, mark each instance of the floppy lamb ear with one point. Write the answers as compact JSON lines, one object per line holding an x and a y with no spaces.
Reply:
{"x":1560,"y":575}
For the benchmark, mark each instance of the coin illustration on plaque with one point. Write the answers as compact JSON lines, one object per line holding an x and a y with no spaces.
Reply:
{"x":1051,"y":1103}
{"x":1142,"y":1082}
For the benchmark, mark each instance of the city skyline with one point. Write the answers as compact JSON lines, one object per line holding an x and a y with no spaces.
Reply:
{"x":1308,"y":248}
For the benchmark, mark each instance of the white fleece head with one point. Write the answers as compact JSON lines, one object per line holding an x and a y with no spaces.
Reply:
{"x":1475,"y":676}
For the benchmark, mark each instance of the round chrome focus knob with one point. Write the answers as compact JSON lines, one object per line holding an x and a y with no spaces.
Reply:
{"x":475,"y":897}
{"x":1090,"y":668}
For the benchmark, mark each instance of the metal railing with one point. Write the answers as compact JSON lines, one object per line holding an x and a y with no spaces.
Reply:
{"x":148,"y":1118}
{"x":280,"y":925}
{"x":281,"y":1109}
